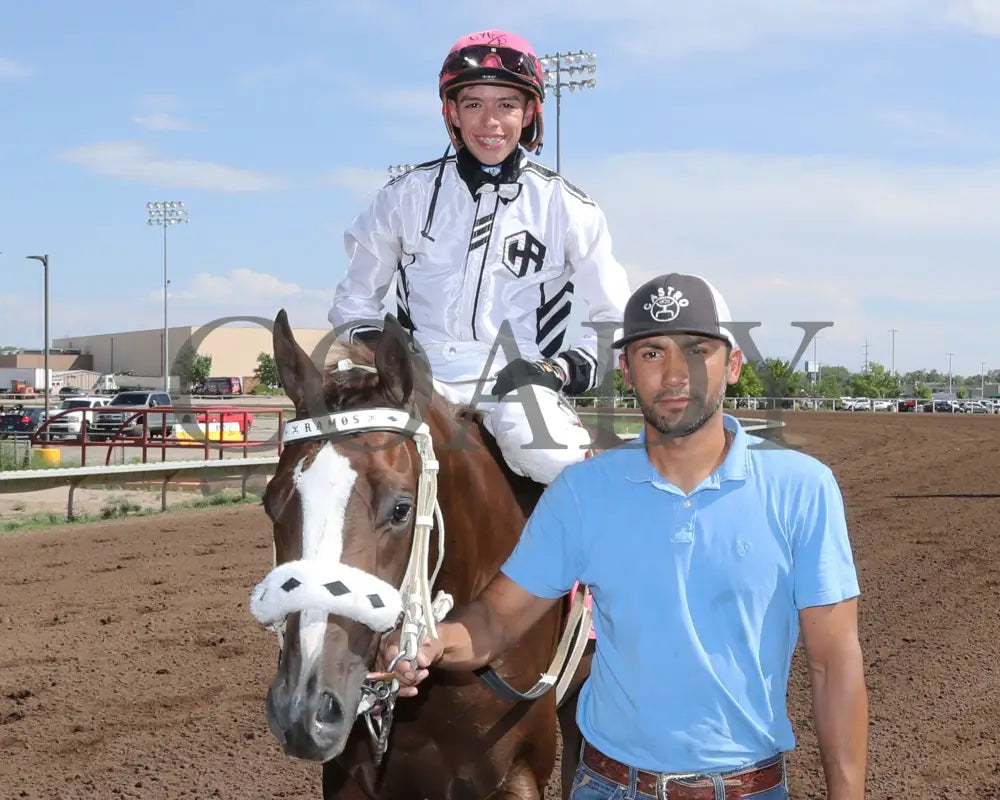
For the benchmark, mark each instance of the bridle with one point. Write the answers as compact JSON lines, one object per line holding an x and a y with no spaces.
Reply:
{"x":346,"y":591}
{"x":340,"y":589}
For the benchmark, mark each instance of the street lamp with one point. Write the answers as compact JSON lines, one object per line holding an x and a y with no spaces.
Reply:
{"x":566,"y":71}
{"x":949,"y":373}
{"x":165,"y":214}
{"x":48,"y":377}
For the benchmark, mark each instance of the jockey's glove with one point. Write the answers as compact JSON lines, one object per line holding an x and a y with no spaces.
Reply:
{"x":549,"y":373}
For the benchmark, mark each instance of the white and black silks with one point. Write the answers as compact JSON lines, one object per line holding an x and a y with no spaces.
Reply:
{"x":473,"y":248}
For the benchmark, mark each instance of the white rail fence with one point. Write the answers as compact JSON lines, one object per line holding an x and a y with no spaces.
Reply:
{"x":71,"y":477}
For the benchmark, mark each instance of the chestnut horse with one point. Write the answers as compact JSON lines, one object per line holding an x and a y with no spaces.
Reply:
{"x":345,"y":503}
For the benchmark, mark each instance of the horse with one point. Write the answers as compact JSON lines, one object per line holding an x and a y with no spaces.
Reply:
{"x":348,"y":503}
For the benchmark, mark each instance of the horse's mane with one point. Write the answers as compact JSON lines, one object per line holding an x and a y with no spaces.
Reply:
{"x":345,"y":390}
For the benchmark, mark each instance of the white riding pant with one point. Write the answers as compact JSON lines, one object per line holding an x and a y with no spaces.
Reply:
{"x":536,"y":429}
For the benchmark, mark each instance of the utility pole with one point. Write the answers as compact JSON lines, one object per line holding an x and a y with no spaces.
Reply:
{"x":950,"y":391}
{"x":892,"y":349}
{"x":866,"y":356}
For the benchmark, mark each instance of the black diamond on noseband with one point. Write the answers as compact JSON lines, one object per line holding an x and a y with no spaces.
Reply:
{"x":376,"y":601}
{"x":290,"y":584}
{"x":336,"y":588}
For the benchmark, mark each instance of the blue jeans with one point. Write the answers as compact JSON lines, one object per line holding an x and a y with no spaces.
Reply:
{"x":588,"y":785}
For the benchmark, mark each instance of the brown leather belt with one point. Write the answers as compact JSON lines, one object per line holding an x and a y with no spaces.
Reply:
{"x":668,"y":786}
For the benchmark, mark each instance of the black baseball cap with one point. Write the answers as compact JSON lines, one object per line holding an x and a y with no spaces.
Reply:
{"x":676,"y":303}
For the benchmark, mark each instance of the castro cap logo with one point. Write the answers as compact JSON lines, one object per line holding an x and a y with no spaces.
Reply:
{"x":666,"y":304}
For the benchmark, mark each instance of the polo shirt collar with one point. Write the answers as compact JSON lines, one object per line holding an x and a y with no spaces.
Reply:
{"x":735,"y":467}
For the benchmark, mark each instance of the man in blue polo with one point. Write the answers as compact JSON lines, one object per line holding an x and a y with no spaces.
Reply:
{"x":708,"y":553}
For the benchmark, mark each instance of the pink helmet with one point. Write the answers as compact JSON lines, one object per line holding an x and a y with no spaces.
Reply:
{"x":504,"y":59}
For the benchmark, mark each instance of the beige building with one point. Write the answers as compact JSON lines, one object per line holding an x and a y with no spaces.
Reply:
{"x":233,"y":348}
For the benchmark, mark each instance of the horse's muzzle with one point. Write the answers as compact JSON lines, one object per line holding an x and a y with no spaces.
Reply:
{"x":311,"y":726}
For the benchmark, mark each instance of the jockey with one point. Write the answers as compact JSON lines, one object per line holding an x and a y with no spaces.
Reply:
{"x":488,"y":250}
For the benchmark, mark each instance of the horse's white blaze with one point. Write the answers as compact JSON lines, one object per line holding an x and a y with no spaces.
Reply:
{"x":324,"y":489}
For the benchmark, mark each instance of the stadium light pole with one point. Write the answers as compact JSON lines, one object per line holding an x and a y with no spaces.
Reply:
{"x":949,"y":373}
{"x":165,"y":215}
{"x":48,"y":377}
{"x":566,"y":71}
{"x":395,"y":170}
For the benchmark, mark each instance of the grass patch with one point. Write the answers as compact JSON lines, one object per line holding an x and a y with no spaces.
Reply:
{"x":622,"y":424}
{"x":120,"y":508}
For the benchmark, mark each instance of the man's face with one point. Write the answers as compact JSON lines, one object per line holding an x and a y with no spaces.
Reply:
{"x":679,"y":380}
{"x":489,"y":119}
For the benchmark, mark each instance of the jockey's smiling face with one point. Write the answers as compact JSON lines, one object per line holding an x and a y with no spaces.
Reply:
{"x":489,"y":119}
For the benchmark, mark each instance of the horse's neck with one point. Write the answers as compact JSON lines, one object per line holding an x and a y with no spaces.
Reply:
{"x":482,"y":510}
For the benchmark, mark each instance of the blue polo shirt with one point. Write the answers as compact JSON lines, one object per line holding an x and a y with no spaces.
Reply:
{"x":696,"y":596}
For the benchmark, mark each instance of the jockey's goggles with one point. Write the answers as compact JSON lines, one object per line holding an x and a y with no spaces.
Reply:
{"x":472,"y":57}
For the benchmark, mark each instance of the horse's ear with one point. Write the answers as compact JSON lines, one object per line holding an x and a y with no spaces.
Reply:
{"x":300,"y":378}
{"x":392,"y":361}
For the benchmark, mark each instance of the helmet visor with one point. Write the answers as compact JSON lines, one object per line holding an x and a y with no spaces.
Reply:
{"x":481,"y":55}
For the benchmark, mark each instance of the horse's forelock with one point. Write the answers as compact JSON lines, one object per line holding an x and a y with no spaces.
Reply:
{"x":347,"y":389}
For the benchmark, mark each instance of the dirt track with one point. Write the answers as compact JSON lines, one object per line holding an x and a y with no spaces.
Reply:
{"x":131,"y":667}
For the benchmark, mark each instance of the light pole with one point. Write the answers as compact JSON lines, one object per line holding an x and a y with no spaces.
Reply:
{"x":982,"y":380}
{"x":165,"y":214}
{"x":893,"y":332}
{"x":565,"y":71}
{"x":48,"y":378}
{"x":949,"y":373}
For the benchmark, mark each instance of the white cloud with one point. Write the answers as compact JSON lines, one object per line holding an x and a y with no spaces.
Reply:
{"x":865,"y":244}
{"x":655,"y":30}
{"x":135,"y":162}
{"x":979,"y":16}
{"x":160,"y":121}
{"x":360,"y":182}
{"x":14,"y":70}
{"x":927,"y":129}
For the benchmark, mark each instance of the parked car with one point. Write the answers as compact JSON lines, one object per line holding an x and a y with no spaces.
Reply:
{"x":71,"y":425}
{"x":22,"y":422}
{"x":908,"y":404}
{"x":220,"y":386}
{"x":121,"y":410}
{"x":67,"y":391}
{"x":942,"y":407}
{"x":883,"y":404}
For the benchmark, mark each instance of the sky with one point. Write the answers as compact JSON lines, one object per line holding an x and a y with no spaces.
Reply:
{"x":817,"y":160}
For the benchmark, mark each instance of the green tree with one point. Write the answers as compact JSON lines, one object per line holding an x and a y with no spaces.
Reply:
{"x":192,"y":368}
{"x":779,"y":379}
{"x":876,"y":382}
{"x":748,"y":385}
{"x":266,"y":371}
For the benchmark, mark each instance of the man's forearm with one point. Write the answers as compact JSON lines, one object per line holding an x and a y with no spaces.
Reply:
{"x":472,"y":637}
{"x":840,"y":709}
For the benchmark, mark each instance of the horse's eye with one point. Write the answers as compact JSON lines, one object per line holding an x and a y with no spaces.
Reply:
{"x":400,"y":512}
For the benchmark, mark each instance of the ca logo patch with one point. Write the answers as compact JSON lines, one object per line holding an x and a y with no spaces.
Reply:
{"x":523,"y":253}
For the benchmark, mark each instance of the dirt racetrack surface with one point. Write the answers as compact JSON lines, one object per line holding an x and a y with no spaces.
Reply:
{"x":130,"y":666}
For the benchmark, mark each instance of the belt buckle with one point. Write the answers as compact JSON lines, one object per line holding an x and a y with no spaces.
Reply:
{"x":663,"y":778}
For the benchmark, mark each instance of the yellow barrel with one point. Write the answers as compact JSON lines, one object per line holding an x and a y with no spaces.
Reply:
{"x":48,"y":456}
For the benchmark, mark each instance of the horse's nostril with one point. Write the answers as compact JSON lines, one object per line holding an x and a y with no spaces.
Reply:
{"x":329,"y":711}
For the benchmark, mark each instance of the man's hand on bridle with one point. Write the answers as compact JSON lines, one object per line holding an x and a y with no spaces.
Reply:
{"x":410,"y":674}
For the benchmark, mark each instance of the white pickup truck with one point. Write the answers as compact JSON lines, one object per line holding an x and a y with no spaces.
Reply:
{"x":71,"y":425}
